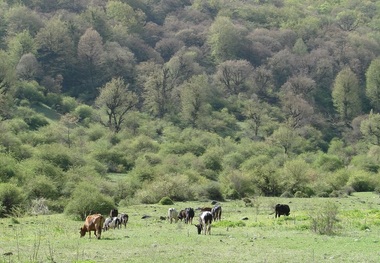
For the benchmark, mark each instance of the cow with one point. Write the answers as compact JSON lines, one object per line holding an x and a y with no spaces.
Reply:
{"x":172,"y":215}
{"x":281,"y":209}
{"x":189,"y":215}
{"x":123,"y":219}
{"x":92,"y":223}
{"x":216,"y":212}
{"x":205,"y":220}
{"x":114,"y":213}
{"x":182,"y":215}
{"x":111,"y":222}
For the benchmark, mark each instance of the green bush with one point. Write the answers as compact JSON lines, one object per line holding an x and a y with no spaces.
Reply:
{"x":324,"y":220}
{"x":87,"y":199}
{"x":11,"y":198}
{"x":166,"y":201}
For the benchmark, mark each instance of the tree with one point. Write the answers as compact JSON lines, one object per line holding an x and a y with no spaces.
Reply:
{"x":256,"y":113}
{"x":21,"y":44}
{"x":28,"y":67}
{"x":286,"y":138}
{"x":91,"y":55}
{"x":194,"y":99}
{"x":373,"y":84}
{"x":119,"y":62}
{"x":158,"y":88}
{"x":55,"y":48}
{"x":117,"y":101}
{"x":346,"y":95}
{"x":224,"y":39}
{"x":234,"y":75}
{"x":370,"y":128}
{"x":295,"y":175}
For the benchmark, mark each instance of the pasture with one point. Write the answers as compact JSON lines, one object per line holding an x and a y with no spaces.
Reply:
{"x":261,"y":238}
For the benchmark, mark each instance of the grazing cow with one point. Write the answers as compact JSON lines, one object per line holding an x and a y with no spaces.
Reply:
{"x":205,"y":220}
{"x":92,"y":223}
{"x":113,"y":222}
{"x":189,"y":215}
{"x":114,"y":213}
{"x":182,"y":215}
{"x":281,"y":209}
{"x":216,"y":212}
{"x":172,"y":215}
{"x":123,"y":219}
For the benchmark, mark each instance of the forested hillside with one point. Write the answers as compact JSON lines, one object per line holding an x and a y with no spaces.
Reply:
{"x":135,"y":100}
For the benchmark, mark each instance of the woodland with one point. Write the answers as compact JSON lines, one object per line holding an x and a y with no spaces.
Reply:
{"x":106,"y":103}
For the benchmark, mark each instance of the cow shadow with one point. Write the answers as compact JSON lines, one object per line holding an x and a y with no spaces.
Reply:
{"x":114,"y":238}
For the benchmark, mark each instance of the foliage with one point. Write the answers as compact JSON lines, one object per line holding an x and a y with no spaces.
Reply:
{"x":193,"y":100}
{"x":87,"y":199}
{"x":324,"y":220}
{"x":166,"y":201}
{"x":11,"y":198}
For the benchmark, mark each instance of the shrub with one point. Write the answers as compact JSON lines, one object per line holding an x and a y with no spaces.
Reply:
{"x":83,"y":112}
{"x":39,"y":207}
{"x":87,"y":199}
{"x":11,"y":198}
{"x":323,"y":220}
{"x":300,"y":194}
{"x":166,"y":201}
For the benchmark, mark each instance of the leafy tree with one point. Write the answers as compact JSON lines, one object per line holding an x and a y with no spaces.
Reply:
{"x":55,"y":47}
{"x":295,"y":175}
{"x":370,"y":128}
{"x":125,"y":16}
{"x":236,"y":184}
{"x":158,"y":88}
{"x":262,"y":82}
{"x":256,"y":113}
{"x":286,"y":138}
{"x":224,"y":39}
{"x":20,"y":18}
{"x":234,"y":75}
{"x":185,"y":64}
{"x":28,"y":67}
{"x":119,"y":62}
{"x":297,"y":110}
{"x":91,"y":55}
{"x":346,"y":95}
{"x":300,"y":47}
{"x":7,"y":73}
{"x":117,"y":101}
{"x":373,"y":84}
{"x":348,"y":20}
{"x":21,"y":44}
{"x":194,"y":99}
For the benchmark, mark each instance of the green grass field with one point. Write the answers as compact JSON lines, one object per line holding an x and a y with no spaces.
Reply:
{"x":261,"y":238}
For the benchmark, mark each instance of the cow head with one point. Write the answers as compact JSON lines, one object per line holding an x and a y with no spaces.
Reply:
{"x":199,"y":228}
{"x":82,"y":231}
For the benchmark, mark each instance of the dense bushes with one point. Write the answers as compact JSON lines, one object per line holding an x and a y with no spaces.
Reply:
{"x":87,"y":199}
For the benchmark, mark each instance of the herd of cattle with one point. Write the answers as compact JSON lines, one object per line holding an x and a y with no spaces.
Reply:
{"x":97,"y":223}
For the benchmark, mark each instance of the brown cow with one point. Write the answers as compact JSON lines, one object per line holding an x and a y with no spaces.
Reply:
{"x":92,"y":223}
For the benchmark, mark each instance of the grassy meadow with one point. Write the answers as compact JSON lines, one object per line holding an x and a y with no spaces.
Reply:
{"x":261,"y":238}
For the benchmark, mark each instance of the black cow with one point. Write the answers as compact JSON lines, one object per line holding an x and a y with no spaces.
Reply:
{"x":189,"y":215}
{"x":205,"y":220}
{"x":281,"y":209}
{"x":114,"y":213}
{"x":216,"y":212}
{"x":123,"y":217}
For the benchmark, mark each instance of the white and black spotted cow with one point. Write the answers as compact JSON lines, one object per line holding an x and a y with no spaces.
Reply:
{"x":205,"y":220}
